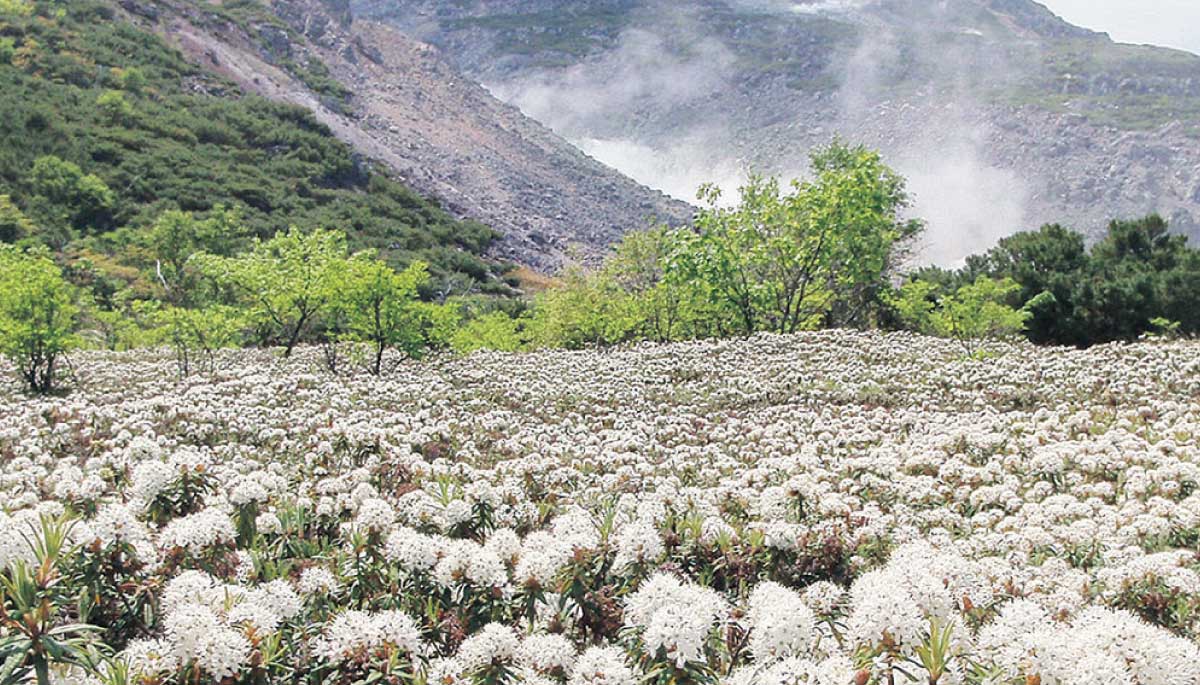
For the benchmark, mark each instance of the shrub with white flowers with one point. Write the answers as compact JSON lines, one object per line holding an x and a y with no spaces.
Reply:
{"x":834,"y":508}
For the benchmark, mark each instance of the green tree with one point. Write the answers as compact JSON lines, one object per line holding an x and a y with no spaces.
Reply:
{"x":971,"y":314}
{"x":115,"y":107}
{"x":438,"y":323}
{"x":14,"y":225}
{"x":587,"y":309}
{"x":37,"y":316}
{"x":382,"y":307}
{"x":70,"y":198}
{"x":8,"y":49}
{"x":287,"y":281}
{"x":491,"y":331}
{"x":761,"y":261}
{"x":662,"y":308}
{"x":785,"y":262}
{"x":177,"y":236}
{"x":1137,"y":273}
{"x":20,"y":8}
{"x":862,"y":200}
{"x":1049,"y":263}
{"x":1146,"y":241}
{"x":196,"y":334}
{"x":1179,"y":295}
{"x":132,"y":80}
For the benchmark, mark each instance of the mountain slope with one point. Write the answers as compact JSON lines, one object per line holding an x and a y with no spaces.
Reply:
{"x":445,"y":135}
{"x":1003,"y":115}
{"x":104,"y":127}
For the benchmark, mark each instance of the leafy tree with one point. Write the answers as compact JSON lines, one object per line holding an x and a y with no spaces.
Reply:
{"x":125,"y":328}
{"x":634,"y":295}
{"x":662,"y":308}
{"x":1137,"y":273}
{"x":587,"y":309}
{"x":132,"y":79}
{"x":20,"y":8}
{"x":69,"y":197}
{"x":1047,"y":263}
{"x":763,"y":261}
{"x":785,"y":262}
{"x":37,"y":316}
{"x":972,"y":313}
{"x":8,"y":50}
{"x":14,"y":225}
{"x":382,"y":307}
{"x":862,"y":199}
{"x":287,"y":281}
{"x":438,"y":323}
{"x":196,"y":334}
{"x":177,"y":236}
{"x":115,"y":107}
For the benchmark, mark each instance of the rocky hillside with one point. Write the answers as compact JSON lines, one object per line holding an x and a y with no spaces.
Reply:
{"x":397,"y":102}
{"x":1002,"y":115}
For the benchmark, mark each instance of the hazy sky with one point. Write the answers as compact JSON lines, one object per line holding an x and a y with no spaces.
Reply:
{"x":1172,"y":23}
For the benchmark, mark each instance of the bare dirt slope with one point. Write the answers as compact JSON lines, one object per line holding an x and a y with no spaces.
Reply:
{"x":401,"y":105}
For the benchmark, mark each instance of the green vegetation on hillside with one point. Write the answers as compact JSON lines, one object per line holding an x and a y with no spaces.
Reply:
{"x":1139,"y":279}
{"x":104,"y":128}
{"x":1129,"y":87}
{"x":568,"y":31}
{"x":817,"y":254}
{"x":822,"y":253}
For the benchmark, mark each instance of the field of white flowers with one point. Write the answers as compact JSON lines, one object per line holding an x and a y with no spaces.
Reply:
{"x":832,"y":509}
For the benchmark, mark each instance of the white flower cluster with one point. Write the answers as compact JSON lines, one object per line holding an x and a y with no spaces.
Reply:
{"x":355,"y":633}
{"x":210,"y":625}
{"x":198,"y":532}
{"x":780,"y":624}
{"x":817,"y":508}
{"x":676,"y":617}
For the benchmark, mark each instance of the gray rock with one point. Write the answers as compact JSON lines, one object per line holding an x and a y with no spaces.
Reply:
{"x":141,"y":9}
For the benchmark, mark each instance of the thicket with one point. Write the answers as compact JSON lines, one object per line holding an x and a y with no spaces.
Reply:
{"x":290,"y":288}
{"x":775,"y":262}
{"x":819,"y":253}
{"x":831,"y":253}
{"x":1138,"y":279}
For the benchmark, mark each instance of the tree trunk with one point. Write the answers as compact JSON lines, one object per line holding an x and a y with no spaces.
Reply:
{"x":378,"y":357}
{"x":294,"y":338}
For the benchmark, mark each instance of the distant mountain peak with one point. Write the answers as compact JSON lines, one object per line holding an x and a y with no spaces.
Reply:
{"x":1002,"y":114}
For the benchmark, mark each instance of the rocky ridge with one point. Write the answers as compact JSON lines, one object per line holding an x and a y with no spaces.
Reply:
{"x":401,"y":105}
{"x":1003,"y":115}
